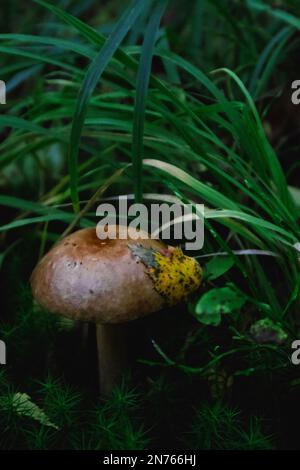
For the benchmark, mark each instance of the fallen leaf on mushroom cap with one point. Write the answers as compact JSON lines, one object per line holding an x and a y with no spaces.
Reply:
{"x":113,"y":280}
{"x":175,"y":276}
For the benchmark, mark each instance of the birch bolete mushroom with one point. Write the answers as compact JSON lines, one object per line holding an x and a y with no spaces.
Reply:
{"x":111,"y":282}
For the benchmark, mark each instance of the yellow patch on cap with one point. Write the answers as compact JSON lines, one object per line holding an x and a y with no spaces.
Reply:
{"x":175,"y":276}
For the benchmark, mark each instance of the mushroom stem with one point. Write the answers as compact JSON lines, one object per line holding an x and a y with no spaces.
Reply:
{"x":112,"y":355}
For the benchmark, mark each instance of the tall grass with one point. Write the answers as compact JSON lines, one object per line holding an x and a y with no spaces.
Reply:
{"x":90,"y":117}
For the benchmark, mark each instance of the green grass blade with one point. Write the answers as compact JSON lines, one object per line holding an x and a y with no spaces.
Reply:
{"x":210,"y":195}
{"x":282,"y":15}
{"x":19,"y":123}
{"x":142,"y":84}
{"x":280,"y":38}
{"x":87,"y":31}
{"x":91,"y":79}
{"x":49,"y":41}
{"x":40,"y":58}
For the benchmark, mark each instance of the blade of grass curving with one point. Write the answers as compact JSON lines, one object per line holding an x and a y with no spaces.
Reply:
{"x":96,"y":196}
{"x":19,"y":123}
{"x":66,"y":218}
{"x":97,"y":38}
{"x":87,"y":31}
{"x":138,"y":31}
{"x":274,"y":12}
{"x":211,"y":195}
{"x":142,"y":84}
{"x":22,"y":76}
{"x":40,"y":58}
{"x":197,"y":28}
{"x":172,"y":74}
{"x":271,"y":159}
{"x":49,"y":41}
{"x":47,"y":213}
{"x":90,"y":81}
{"x":218,"y":200}
{"x":279,"y":38}
{"x":270,"y":65}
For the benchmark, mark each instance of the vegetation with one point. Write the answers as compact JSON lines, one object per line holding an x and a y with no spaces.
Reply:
{"x":162,"y":99}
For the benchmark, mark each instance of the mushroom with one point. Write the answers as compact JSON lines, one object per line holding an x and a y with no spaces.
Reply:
{"x":111,"y":282}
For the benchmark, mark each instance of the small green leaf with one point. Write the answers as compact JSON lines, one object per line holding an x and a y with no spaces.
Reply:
{"x":211,"y":305}
{"x":218,"y":266}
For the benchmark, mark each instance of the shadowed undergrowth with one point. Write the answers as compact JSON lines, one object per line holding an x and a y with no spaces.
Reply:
{"x":154,"y":100}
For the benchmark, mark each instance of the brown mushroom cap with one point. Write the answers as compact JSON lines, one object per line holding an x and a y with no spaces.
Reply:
{"x":89,"y":279}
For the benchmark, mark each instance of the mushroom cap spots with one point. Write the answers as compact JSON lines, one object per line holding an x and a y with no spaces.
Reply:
{"x":89,"y":279}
